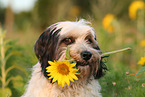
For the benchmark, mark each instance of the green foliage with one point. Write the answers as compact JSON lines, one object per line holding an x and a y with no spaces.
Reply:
{"x":118,"y":83}
{"x":9,"y":52}
{"x":40,"y":15}
{"x":6,"y":92}
{"x":141,"y":71}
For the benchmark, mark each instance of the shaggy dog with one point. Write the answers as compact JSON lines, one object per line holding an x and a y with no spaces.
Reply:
{"x":84,"y":49}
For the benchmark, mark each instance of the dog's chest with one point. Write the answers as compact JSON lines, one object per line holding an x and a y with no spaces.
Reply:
{"x":39,"y":86}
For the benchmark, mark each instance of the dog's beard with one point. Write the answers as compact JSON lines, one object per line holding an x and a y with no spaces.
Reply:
{"x":86,"y":68}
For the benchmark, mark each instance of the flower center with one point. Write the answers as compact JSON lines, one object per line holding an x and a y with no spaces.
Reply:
{"x":63,"y":69}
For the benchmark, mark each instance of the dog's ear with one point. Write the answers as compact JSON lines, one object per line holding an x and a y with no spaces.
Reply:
{"x":46,"y":45}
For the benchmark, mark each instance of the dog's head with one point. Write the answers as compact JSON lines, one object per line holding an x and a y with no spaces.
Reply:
{"x":81,"y":39}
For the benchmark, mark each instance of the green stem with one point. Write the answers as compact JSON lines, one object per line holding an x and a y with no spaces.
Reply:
{"x":116,"y":51}
{"x":3,"y":77}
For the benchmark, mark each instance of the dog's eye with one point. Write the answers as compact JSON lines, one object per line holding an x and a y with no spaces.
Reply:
{"x":68,"y":41}
{"x":97,"y":48}
{"x":89,"y":41}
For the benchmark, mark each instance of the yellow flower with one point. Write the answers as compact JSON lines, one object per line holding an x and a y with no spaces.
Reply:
{"x":62,"y":72}
{"x":107,"y":23}
{"x":134,"y":7}
{"x":142,"y":43}
{"x":142,"y":61}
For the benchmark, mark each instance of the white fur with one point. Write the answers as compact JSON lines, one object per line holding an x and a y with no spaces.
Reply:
{"x":79,"y":27}
{"x":39,"y":86}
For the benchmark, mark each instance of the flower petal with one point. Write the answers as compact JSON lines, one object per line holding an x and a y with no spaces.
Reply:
{"x":67,"y":80}
{"x":59,"y":79}
{"x":71,"y":79}
{"x":73,"y":64}
{"x":63,"y":83}
{"x":55,"y":78}
{"x":52,"y":63}
{"x":73,"y":76}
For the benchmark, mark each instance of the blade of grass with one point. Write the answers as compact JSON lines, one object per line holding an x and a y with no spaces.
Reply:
{"x":142,"y":70}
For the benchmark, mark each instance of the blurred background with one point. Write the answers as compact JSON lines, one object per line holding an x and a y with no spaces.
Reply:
{"x":118,"y":24}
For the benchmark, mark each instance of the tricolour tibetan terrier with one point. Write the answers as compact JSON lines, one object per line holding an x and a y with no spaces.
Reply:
{"x":84,"y":49}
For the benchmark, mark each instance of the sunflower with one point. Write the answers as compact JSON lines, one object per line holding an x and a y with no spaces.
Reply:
{"x":107,"y":23}
{"x":142,"y":43}
{"x":134,"y":7}
{"x":62,"y":72}
{"x":142,"y":61}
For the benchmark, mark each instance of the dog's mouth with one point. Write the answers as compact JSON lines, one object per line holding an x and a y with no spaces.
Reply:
{"x":82,"y":63}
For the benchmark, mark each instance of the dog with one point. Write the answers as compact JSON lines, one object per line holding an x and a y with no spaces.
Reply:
{"x":80,"y":37}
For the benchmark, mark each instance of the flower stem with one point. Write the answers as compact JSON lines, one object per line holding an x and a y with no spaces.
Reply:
{"x":116,"y":51}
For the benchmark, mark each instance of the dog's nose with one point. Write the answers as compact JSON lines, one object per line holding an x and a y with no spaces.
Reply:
{"x":86,"y":55}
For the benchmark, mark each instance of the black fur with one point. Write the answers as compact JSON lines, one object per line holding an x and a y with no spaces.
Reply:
{"x":101,"y":69}
{"x":45,"y":47}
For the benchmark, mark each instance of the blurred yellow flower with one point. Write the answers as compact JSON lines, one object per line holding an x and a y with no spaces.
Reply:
{"x":107,"y":23}
{"x":134,"y":7}
{"x":142,"y":61}
{"x":142,"y":43}
{"x":62,"y":72}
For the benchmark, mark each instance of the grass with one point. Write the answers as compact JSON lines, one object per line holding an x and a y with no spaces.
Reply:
{"x":121,"y":82}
